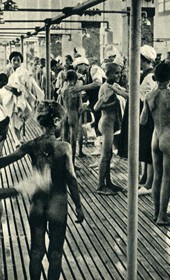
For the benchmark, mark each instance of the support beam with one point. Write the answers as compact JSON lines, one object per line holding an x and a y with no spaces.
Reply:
{"x":133,"y":138}
{"x":22,"y":45}
{"x":77,"y":10}
{"x":47,"y":41}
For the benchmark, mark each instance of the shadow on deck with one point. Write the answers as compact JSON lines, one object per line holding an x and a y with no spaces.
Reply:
{"x":97,"y":248}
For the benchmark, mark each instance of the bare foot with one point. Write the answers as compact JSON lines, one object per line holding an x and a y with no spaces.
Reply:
{"x":113,"y":187}
{"x":155,"y":217}
{"x":105,"y":191}
{"x":144,"y":191}
{"x":81,"y":155}
{"x":163,"y":222}
{"x":77,"y":167}
{"x":94,"y":165}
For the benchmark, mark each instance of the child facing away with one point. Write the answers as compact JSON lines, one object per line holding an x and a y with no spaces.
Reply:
{"x":50,"y":157}
{"x":158,"y":104}
{"x":72,"y":103}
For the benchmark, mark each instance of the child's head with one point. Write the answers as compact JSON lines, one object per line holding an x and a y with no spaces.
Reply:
{"x":162,"y":72}
{"x":71,"y":77}
{"x":16,"y":58}
{"x":3,"y":80}
{"x":50,"y":114}
{"x":113,"y":72}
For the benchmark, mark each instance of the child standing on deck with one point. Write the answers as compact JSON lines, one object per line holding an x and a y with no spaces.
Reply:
{"x":72,"y":103}
{"x":109,"y":104}
{"x":158,"y":104}
{"x":52,"y":162}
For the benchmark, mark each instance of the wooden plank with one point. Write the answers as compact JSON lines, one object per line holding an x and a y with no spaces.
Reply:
{"x":97,"y":248}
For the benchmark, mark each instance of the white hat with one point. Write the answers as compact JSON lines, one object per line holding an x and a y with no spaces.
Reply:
{"x":80,"y":60}
{"x":148,"y":52}
{"x":111,"y":53}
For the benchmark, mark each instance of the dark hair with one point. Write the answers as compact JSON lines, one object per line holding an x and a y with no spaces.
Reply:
{"x":71,"y":75}
{"x":111,"y":67}
{"x":162,"y":72}
{"x":13,"y":54}
{"x":55,"y":110}
{"x":69,"y":57}
{"x":3,"y":80}
{"x":53,"y":63}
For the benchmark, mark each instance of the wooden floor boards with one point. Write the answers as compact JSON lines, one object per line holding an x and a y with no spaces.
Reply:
{"x":95,"y":250}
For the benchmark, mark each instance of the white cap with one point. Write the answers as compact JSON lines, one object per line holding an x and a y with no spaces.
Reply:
{"x":80,"y":60}
{"x":148,"y":52}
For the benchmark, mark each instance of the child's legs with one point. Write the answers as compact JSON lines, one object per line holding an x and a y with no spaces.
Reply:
{"x":106,"y":152}
{"x":165,"y":189}
{"x":38,"y":228}
{"x":1,"y":212}
{"x":149,"y":180}
{"x":66,"y":131}
{"x":157,"y":177}
{"x":1,"y":147}
{"x":57,"y":232}
{"x":73,"y":139}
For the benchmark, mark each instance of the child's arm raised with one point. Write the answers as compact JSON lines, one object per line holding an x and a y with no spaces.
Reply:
{"x":18,"y":154}
{"x":72,"y":184}
{"x":103,"y":99}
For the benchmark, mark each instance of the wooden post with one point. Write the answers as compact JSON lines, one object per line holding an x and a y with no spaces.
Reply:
{"x":47,"y":40}
{"x":133,"y":138}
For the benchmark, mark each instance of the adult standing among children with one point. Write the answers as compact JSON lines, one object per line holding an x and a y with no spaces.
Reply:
{"x":20,"y":95}
{"x":147,"y":84}
{"x":94,"y":78}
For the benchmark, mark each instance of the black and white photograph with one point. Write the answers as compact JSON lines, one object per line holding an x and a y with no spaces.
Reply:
{"x":84,"y":139}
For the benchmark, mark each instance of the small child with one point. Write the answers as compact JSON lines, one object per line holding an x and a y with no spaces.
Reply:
{"x":158,"y":103}
{"x":72,"y":103}
{"x":50,"y":158}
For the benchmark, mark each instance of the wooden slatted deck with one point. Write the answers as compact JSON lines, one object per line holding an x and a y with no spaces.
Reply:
{"x":97,"y":248}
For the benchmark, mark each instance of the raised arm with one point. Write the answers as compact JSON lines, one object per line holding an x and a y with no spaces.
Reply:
{"x":104,"y":96}
{"x":72,"y":185}
{"x":18,"y":154}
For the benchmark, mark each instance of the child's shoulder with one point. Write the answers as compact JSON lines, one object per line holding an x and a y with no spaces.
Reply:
{"x":104,"y":86}
{"x":63,"y":145}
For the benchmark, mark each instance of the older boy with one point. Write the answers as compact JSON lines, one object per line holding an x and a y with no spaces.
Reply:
{"x":109,"y":104}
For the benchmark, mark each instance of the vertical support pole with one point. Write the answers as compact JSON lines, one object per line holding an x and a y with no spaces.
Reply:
{"x":22,"y":45}
{"x":10,"y":47}
{"x":22,"y":52}
{"x":47,"y":41}
{"x":5,"y":55}
{"x":133,"y":138}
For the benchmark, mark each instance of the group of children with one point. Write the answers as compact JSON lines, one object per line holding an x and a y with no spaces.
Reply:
{"x":48,"y":152}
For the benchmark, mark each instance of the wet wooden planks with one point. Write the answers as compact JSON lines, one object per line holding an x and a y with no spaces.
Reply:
{"x":97,"y":248}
